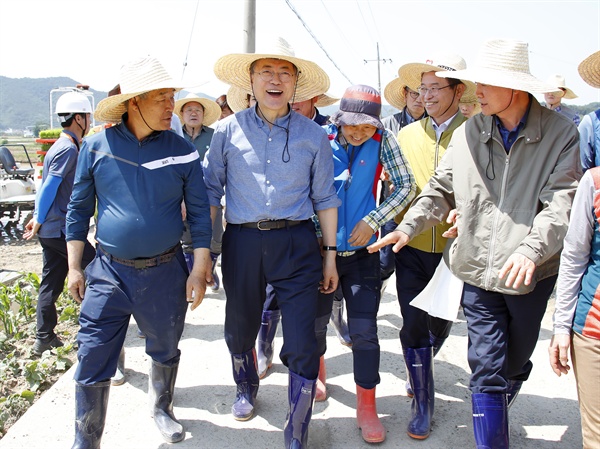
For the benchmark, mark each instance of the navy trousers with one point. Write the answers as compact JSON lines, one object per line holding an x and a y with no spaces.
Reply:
{"x":55,"y":270}
{"x":386,"y":255}
{"x":503,"y":331}
{"x":290,"y":260}
{"x":360,"y":283}
{"x":155,"y":296}
{"x":414,"y":270}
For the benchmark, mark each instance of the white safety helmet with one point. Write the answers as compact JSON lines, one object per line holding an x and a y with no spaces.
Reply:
{"x":72,"y":103}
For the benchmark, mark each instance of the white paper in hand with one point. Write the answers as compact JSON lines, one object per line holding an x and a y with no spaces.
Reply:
{"x":441,"y":296}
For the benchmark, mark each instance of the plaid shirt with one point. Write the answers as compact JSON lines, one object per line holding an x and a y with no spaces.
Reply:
{"x":401,"y":177}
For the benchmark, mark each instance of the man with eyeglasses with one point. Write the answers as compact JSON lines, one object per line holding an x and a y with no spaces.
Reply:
{"x":409,"y":102}
{"x":276,"y":169}
{"x":424,"y":143}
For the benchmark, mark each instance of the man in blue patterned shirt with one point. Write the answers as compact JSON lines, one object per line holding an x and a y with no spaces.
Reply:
{"x":275,"y":168}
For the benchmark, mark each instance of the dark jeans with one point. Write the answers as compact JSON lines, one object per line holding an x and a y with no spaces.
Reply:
{"x":360,"y":283}
{"x":503,"y":331}
{"x":55,"y":270}
{"x":386,"y":255}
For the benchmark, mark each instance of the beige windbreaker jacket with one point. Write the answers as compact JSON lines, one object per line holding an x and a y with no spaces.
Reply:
{"x":506,"y":203}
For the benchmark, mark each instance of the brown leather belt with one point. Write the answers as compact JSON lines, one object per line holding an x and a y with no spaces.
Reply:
{"x":140,"y":264}
{"x":267,"y":225}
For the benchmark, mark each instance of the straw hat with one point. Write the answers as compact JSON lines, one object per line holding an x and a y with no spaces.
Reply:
{"x":237,"y":98}
{"x":446,"y":63}
{"x":559,"y":82}
{"x":394,"y":91}
{"x":234,"y":69}
{"x":360,"y":105}
{"x":503,"y":63}
{"x":326,"y":100}
{"x":589,"y":69}
{"x":469,"y":99}
{"x":212,"y":111}
{"x":137,"y":77}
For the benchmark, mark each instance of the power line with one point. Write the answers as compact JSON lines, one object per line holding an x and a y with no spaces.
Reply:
{"x":190,"y":41}
{"x":349,"y":46}
{"x":316,"y":40}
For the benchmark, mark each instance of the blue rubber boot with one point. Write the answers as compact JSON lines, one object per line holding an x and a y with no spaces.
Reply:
{"x":246,"y":379}
{"x":339,"y":323}
{"x":266,"y":335}
{"x":301,"y":395}
{"x":437,"y":344}
{"x":419,"y":362}
{"x":512,"y":391}
{"x":91,"y":402}
{"x":490,"y":420}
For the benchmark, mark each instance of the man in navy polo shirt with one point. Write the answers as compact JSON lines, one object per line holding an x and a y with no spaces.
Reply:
{"x":138,"y":174}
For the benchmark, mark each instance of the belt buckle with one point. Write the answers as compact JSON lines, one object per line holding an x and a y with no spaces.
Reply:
{"x":258,"y":225}
{"x":139,"y":264}
{"x":346,"y":253}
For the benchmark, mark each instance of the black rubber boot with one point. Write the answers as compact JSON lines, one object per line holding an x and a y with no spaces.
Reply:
{"x":161,"y":386}
{"x":90,"y":413}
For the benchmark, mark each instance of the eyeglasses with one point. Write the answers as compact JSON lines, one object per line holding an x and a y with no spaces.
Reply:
{"x":268,"y":75}
{"x":414,"y":95}
{"x":432,"y":90}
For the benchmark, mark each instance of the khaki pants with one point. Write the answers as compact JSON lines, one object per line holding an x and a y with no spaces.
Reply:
{"x":586,"y":363}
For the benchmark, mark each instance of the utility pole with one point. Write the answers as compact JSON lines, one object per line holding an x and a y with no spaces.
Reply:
{"x":379,"y":60}
{"x":249,"y":26}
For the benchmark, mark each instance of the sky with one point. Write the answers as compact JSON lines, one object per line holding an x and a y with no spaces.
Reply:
{"x":89,"y":40}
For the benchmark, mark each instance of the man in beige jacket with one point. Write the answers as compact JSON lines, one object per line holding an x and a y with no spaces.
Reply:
{"x":511,"y":174}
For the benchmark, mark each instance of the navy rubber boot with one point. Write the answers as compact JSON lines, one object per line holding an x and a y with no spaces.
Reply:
{"x":436,"y":342}
{"x":490,"y":420}
{"x":91,"y":402}
{"x":301,"y":395}
{"x":419,"y":362}
{"x":161,"y":386}
{"x":217,"y":282}
{"x":266,"y":335}
{"x":339,"y":323}
{"x":246,"y":379}
{"x":512,"y":391}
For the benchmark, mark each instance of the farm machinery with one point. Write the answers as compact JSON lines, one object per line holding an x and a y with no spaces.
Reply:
{"x":17,"y":187}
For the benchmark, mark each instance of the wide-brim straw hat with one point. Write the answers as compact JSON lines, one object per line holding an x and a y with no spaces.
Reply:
{"x":137,"y":77}
{"x":589,"y":69}
{"x":212,"y":111}
{"x":234,"y":69}
{"x":469,"y":98}
{"x":559,"y":82}
{"x":502,"y":63}
{"x":453,"y":63}
{"x":394,"y":90}
{"x":237,"y":98}
{"x":326,"y":100}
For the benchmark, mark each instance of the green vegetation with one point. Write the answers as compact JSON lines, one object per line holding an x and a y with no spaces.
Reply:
{"x":23,"y":376}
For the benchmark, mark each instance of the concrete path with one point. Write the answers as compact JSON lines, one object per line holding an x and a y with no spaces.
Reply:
{"x":545,"y":415}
